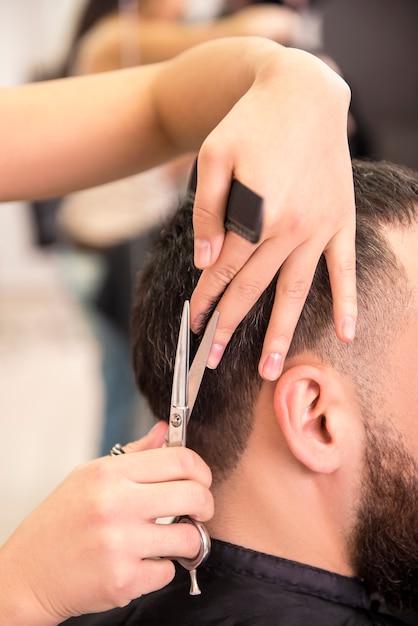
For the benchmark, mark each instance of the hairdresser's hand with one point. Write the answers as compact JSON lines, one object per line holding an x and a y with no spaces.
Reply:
{"x":287,"y":140}
{"x":90,"y":546}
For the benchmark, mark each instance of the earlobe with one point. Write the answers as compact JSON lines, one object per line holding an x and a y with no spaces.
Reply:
{"x":305,"y":408}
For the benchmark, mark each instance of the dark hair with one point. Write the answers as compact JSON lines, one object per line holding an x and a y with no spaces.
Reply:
{"x":222,"y":417}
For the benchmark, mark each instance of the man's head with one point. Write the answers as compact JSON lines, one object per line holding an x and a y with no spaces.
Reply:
{"x":371,"y":368}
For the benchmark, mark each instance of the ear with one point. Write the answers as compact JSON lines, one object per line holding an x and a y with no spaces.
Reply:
{"x":309,"y":406}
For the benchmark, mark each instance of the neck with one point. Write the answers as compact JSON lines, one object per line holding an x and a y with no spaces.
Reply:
{"x":273,"y":504}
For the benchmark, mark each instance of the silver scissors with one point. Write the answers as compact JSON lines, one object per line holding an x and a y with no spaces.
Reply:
{"x":186,"y":384}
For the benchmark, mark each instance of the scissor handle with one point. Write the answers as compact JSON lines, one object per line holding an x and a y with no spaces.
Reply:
{"x":191,"y":564}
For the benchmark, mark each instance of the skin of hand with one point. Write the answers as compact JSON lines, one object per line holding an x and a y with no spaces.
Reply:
{"x":273,"y":117}
{"x":91,"y":545}
{"x":293,"y":151}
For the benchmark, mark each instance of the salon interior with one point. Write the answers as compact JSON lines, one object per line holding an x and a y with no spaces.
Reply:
{"x":67,"y":265}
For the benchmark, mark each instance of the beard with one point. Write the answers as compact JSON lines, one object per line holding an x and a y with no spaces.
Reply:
{"x":384,"y":542}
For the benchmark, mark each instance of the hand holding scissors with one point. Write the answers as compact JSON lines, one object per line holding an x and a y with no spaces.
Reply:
{"x":184,"y":392}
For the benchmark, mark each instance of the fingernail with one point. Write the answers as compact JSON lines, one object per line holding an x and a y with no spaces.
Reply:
{"x":201,"y":252}
{"x":272,"y":366}
{"x":215,"y":356}
{"x":348,"y":328}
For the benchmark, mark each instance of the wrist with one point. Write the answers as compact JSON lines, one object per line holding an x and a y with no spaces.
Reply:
{"x":314,"y":74}
{"x":19,"y":604}
{"x":299,"y":81}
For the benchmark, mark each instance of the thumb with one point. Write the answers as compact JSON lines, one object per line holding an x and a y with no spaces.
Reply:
{"x":154,"y":439}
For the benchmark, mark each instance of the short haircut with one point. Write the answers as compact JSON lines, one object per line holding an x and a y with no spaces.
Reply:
{"x":386,"y":195}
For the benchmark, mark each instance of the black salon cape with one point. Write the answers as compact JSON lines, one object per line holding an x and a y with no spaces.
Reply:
{"x":245,"y":588}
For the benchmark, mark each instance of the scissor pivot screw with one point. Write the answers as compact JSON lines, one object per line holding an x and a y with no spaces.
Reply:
{"x":176,"y":420}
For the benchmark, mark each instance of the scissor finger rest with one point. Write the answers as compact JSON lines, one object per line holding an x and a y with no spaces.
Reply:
{"x":192,"y":564}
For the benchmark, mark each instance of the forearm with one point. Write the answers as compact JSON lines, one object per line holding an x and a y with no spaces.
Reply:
{"x":153,"y":40}
{"x":76,"y":133}
{"x":150,"y":41}
{"x":158,"y":40}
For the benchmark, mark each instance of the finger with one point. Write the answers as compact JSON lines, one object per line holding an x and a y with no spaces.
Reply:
{"x":243,"y":292}
{"x":213,"y":184}
{"x":128,"y":576}
{"x":234,"y":255}
{"x":292,"y":288}
{"x":161,"y":465}
{"x":153,"y":575}
{"x":169,"y":540}
{"x":130,"y":579}
{"x":341,"y":262}
{"x":173,"y":499}
{"x":141,"y":559}
{"x":153,"y":439}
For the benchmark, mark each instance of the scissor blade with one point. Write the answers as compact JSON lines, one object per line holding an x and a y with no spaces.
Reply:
{"x":179,"y":391}
{"x":201,"y":358}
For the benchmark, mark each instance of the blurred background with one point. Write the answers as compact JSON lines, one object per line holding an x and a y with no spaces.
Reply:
{"x":67,"y":266}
